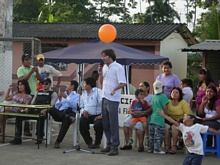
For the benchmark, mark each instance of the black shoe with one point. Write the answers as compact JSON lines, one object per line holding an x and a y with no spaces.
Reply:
{"x":141,"y":149}
{"x":90,"y":146}
{"x":57,"y":145}
{"x":39,"y":141}
{"x":107,"y":149}
{"x":16,"y":141}
{"x":96,"y":146}
{"x":126,"y":147}
{"x":113,"y":153}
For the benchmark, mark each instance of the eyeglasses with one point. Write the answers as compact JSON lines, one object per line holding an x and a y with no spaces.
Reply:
{"x":46,"y":83}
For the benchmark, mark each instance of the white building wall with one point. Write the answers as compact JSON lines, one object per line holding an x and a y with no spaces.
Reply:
{"x":171,"y":48}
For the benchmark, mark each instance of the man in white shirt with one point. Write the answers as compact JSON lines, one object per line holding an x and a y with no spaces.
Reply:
{"x":48,"y":70}
{"x":112,"y":79}
{"x":90,"y":104}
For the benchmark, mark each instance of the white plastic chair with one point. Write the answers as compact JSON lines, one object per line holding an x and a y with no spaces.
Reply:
{"x":51,"y":121}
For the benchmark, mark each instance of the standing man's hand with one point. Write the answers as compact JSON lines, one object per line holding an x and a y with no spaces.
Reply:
{"x":112,"y":92}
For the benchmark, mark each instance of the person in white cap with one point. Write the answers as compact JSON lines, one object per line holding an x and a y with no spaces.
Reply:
{"x":49,"y":70}
{"x":157,"y":122}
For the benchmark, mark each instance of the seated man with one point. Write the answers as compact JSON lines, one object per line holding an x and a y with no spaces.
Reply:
{"x":43,"y":97}
{"x":65,"y":109}
{"x":90,"y":104}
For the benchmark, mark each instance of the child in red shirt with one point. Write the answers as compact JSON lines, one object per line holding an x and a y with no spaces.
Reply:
{"x":137,"y":110}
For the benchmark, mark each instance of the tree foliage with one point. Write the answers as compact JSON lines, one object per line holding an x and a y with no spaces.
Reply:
{"x":86,"y":11}
{"x":26,"y":10}
{"x":161,"y":11}
{"x":207,"y":27}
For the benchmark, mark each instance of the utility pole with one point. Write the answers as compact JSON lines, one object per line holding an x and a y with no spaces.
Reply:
{"x":6,"y":20}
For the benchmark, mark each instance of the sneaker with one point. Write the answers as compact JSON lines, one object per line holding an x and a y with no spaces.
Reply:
{"x":159,"y":152}
{"x":126,"y":147}
{"x":16,"y":141}
{"x":107,"y":149}
{"x":141,"y":149}
{"x":149,"y":151}
{"x":57,"y":145}
{"x":146,"y":140}
{"x":113,"y":153}
{"x":130,"y":142}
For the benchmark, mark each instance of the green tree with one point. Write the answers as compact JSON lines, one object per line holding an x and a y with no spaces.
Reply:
{"x":26,"y":10}
{"x":77,"y":11}
{"x":111,"y":8}
{"x":207,"y":27}
{"x":161,"y":11}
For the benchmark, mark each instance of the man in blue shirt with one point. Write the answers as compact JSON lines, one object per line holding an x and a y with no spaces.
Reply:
{"x":90,"y":104}
{"x":65,"y":109}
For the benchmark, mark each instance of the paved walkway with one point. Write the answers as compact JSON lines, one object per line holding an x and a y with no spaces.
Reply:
{"x":28,"y":154}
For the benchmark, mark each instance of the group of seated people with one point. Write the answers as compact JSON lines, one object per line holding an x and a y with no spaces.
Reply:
{"x":64,"y":106}
{"x":179,"y":103}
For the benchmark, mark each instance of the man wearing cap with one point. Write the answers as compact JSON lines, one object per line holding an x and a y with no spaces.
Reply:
{"x":43,"y":97}
{"x":31,"y":74}
{"x":49,"y":70}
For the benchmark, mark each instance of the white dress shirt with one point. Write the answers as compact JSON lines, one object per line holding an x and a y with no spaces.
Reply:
{"x":91,"y":103}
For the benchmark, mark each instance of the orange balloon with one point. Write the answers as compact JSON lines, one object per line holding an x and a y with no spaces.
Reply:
{"x":107,"y":33}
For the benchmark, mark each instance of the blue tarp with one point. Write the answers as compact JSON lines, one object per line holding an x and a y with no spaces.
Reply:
{"x":90,"y":53}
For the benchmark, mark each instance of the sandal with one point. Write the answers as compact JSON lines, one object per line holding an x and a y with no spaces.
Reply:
{"x":166,"y":150}
{"x":173,"y":151}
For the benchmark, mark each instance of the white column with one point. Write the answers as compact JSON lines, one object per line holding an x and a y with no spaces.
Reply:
{"x":6,"y":10}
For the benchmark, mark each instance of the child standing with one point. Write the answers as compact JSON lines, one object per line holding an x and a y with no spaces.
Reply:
{"x":192,"y":138}
{"x":157,"y":122}
{"x":138,"y":105}
{"x":187,"y":85}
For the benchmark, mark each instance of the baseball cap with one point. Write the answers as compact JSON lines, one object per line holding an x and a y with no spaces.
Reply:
{"x":25,"y":56}
{"x":48,"y":80}
{"x":40,"y":56}
{"x":158,"y":87}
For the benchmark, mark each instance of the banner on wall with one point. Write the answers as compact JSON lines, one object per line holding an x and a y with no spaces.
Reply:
{"x":123,"y":108}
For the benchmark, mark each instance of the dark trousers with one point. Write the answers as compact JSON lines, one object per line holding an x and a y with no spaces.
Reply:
{"x":110,"y":123}
{"x":84,"y":129}
{"x":193,"y":159}
{"x":64,"y":117}
{"x":18,"y":126}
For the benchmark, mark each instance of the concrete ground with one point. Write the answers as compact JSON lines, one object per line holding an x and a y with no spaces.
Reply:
{"x":28,"y":154}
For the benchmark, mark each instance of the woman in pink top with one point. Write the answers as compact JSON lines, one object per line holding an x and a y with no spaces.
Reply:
{"x":168,"y":79}
{"x":210,"y":109}
{"x":21,"y":96}
{"x":205,"y":80}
